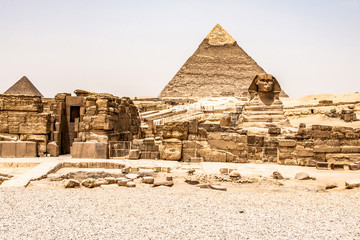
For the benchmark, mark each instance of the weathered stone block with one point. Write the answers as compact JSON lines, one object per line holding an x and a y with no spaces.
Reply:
{"x":327,"y":149}
{"x":92,"y":150}
{"x":350,"y":149}
{"x":287,"y":143}
{"x":171,"y":150}
{"x":53,"y":149}
{"x":134,"y":154}
{"x":18,"y":149}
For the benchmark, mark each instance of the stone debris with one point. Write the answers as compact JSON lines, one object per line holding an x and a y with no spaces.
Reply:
{"x":164,"y":183}
{"x":169,"y":178}
{"x":354,"y":167}
{"x":110,"y":180}
{"x":122,"y":181}
{"x":302,"y":176}
{"x":132,"y":176}
{"x":100,"y":181}
{"x":130,"y":184}
{"x":331,"y":186}
{"x":89,"y":183}
{"x":192,"y":182}
{"x":55,"y":177}
{"x":71,"y":183}
{"x":2,"y":179}
{"x":213,"y":186}
{"x":148,"y":180}
{"x":352,"y":184}
{"x":277,"y":175}
{"x":235,"y":175}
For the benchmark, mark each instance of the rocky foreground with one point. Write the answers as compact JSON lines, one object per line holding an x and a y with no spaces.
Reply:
{"x":177,"y":213}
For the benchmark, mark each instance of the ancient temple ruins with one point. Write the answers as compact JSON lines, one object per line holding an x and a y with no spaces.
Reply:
{"x":219,"y":67}
{"x":84,"y":125}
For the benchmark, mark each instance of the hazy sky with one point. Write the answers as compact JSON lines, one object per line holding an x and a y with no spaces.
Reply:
{"x":134,"y":48}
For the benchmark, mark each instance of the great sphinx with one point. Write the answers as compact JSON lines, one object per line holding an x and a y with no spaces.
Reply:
{"x":264,"y":107}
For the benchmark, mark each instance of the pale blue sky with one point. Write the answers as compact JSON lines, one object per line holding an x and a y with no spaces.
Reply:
{"x":134,"y":48}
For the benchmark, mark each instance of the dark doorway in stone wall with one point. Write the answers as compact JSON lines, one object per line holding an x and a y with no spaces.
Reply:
{"x":74,"y":113}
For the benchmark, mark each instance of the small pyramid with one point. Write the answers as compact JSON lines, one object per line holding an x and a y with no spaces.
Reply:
{"x":218,"y":67}
{"x":23,"y":87}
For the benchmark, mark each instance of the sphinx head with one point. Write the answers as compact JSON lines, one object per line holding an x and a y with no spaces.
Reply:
{"x":264,"y":84}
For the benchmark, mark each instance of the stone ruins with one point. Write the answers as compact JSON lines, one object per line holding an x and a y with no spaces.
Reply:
{"x":219,"y":107}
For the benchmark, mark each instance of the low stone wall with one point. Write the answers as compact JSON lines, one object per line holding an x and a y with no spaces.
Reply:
{"x":214,"y":143}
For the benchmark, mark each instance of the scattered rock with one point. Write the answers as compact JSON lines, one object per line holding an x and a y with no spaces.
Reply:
{"x":165,"y":183}
{"x":89,"y":183}
{"x":277,"y":175}
{"x":3,"y":179}
{"x":132,"y":176}
{"x":71,"y":183}
{"x":213,"y":186}
{"x":218,"y":187}
{"x":55,"y":177}
{"x":169,"y":178}
{"x":99,"y":182}
{"x":352,"y":184}
{"x":122,"y":181}
{"x":235,"y":175}
{"x":110,"y":180}
{"x":191,"y":172}
{"x":148,"y":180}
{"x":331,"y":185}
{"x":130,"y":184}
{"x":302,"y":176}
{"x":192,"y":182}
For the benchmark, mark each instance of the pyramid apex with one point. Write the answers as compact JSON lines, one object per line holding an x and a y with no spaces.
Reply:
{"x":219,"y":36}
{"x":24,"y":87}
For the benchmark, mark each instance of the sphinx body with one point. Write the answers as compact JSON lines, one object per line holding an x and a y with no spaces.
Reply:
{"x":264,"y":108}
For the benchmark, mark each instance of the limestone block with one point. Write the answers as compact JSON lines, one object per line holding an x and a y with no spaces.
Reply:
{"x":302,"y":176}
{"x":134,"y":154}
{"x":304,"y":153}
{"x":92,"y":150}
{"x":148,"y":180}
{"x":342,"y":157}
{"x":18,"y":149}
{"x":350,"y":149}
{"x":178,"y":130}
{"x":21,"y":103}
{"x":71,"y":183}
{"x":53,"y":149}
{"x":171,"y":150}
{"x":290,"y":162}
{"x":214,"y":136}
{"x":223,"y":145}
{"x":255,"y":140}
{"x":287,"y":143}
{"x":41,"y":140}
{"x":352,"y":184}
{"x":326,"y":149}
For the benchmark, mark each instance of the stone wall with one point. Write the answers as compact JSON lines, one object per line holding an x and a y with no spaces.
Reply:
{"x":22,"y":119}
{"x":91,"y":117}
{"x":209,"y":141}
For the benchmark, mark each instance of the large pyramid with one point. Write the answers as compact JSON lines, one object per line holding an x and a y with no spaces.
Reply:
{"x":24,"y":87}
{"x":219,"y":67}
